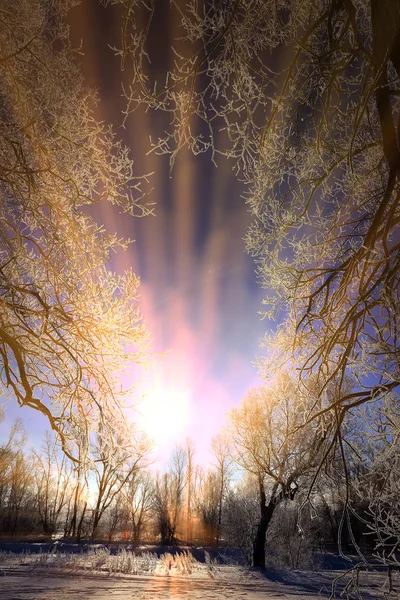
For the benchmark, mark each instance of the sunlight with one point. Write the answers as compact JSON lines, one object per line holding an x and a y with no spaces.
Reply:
{"x":164,"y":413}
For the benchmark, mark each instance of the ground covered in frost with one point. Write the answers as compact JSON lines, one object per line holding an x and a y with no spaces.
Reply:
{"x":97,"y":574}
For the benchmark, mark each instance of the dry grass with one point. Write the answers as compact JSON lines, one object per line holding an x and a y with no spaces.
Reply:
{"x":100,"y":560}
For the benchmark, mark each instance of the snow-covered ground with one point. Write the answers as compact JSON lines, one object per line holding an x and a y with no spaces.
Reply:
{"x":101,"y":576}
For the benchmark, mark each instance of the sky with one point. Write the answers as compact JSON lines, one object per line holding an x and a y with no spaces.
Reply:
{"x":198,"y":292}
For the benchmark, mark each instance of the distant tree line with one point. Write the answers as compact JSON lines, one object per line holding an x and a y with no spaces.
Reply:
{"x":258,"y":495}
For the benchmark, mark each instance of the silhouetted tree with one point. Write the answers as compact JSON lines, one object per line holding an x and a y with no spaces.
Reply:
{"x":168,"y":496}
{"x":208,"y":505}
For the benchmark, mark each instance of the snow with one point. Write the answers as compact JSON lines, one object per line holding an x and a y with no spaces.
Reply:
{"x":232,"y":584}
{"x":99,"y":587}
{"x":99,"y":576}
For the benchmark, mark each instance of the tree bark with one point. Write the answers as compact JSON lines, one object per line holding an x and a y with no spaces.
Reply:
{"x":266,"y":512}
{"x":80,"y":524}
{"x":259,"y":540}
{"x":385,"y":16}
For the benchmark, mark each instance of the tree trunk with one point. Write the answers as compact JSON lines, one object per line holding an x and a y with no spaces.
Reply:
{"x":385,"y":17}
{"x":259,"y":540}
{"x":219,"y":524}
{"x":266,"y":512}
{"x":96,"y":521}
{"x":67,"y":526}
{"x":74,"y":520}
{"x":79,"y":530}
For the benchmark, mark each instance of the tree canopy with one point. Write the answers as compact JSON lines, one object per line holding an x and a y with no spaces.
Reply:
{"x":67,"y":323}
{"x":303,"y":98}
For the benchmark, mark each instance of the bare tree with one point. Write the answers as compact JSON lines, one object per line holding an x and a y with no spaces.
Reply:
{"x":241,"y":516}
{"x":223,"y":462}
{"x":115,"y":516}
{"x":77,"y":499}
{"x":271,"y":445}
{"x":16,"y":483}
{"x":113,"y":467}
{"x":208,"y":505}
{"x":13,"y":444}
{"x":326,"y":204}
{"x":52,"y":475}
{"x":168,"y":496}
{"x":378,"y":485}
{"x":66,"y":320}
{"x":211,"y":489}
{"x":21,"y":499}
{"x":189,"y":487}
{"x":138,"y":495}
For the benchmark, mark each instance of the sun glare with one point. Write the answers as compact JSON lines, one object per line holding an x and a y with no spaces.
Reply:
{"x":164,"y":413}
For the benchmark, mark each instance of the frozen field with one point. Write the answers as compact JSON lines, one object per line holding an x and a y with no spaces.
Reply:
{"x":100,"y":576}
{"x":49,"y":587}
{"x":53,"y":586}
